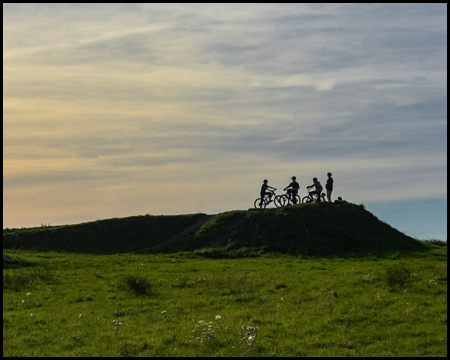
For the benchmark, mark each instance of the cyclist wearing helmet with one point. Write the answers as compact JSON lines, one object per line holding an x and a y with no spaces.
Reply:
{"x":292,"y":189}
{"x":263,"y":191}
{"x":318,"y":188}
{"x":329,"y":186}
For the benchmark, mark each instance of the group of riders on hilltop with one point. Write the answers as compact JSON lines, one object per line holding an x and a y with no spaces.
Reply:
{"x":293,"y":187}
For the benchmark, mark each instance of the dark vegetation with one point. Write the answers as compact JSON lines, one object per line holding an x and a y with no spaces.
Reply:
{"x":139,"y":285}
{"x":311,"y":229}
{"x":398,"y":276}
{"x":102,"y":236}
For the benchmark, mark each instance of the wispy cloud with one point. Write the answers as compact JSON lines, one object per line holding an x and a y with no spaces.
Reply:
{"x":208,"y":99}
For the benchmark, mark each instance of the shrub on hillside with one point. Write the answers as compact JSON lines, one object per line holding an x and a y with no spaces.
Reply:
{"x":436,"y":242}
{"x":138,"y":285}
{"x":398,"y":276}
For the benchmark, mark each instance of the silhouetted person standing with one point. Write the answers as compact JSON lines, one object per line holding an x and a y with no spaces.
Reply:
{"x":293,"y":189}
{"x":329,"y":186}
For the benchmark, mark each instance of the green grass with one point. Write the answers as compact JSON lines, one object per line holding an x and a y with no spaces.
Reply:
{"x":169,"y":304}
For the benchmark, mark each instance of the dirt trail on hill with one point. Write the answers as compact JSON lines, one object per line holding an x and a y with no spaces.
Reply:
{"x":186,"y":231}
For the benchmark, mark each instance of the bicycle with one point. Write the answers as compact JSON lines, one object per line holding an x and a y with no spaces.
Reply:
{"x":310,"y":198}
{"x":286,"y":199}
{"x":261,"y":203}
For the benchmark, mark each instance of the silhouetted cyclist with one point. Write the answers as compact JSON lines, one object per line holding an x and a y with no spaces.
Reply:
{"x":264,"y":191}
{"x":317,"y":186}
{"x":292,"y":189}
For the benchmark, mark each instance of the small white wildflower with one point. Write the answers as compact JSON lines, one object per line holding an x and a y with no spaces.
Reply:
{"x":28,"y":294}
{"x":33,"y":314}
{"x":201,"y":321}
{"x":163,"y":312}
{"x":80,"y":316}
{"x":218,"y":317}
{"x":432,"y":282}
{"x":119,"y":324}
{"x":23,"y":301}
{"x":251,"y":338}
{"x":114,"y":321}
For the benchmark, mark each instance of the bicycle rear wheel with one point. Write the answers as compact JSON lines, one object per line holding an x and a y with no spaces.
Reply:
{"x":260,"y":203}
{"x":279,"y":200}
{"x":306,"y":200}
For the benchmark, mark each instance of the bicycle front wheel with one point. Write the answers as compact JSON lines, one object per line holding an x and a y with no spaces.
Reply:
{"x":298,"y":199}
{"x":306,"y":200}
{"x":260,"y":203}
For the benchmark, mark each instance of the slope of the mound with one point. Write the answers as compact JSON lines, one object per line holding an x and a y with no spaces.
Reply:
{"x":102,"y":236}
{"x":311,"y":229}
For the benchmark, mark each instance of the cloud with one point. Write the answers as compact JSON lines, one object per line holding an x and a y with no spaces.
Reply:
{"x":135,"y":94}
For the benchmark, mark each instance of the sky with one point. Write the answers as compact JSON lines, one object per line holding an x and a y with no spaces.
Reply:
{"x":116,"y":110}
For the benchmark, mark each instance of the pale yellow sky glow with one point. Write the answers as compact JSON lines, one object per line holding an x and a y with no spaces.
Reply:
{"x":113,"y":110}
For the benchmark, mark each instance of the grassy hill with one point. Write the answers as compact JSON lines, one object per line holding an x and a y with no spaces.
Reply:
{"x":102,"y":236}
{"x":311,"y":229}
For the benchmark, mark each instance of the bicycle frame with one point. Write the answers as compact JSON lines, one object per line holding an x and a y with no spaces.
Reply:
{"x":311,"y":198}
{"x":261,"y":203}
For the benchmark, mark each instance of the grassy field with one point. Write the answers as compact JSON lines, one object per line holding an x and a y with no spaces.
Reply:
{"x":184,"y":304}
